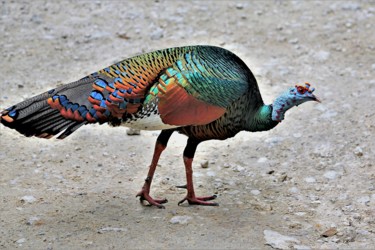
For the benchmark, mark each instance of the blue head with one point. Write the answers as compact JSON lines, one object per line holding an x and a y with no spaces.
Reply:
{"x":292,"y":97}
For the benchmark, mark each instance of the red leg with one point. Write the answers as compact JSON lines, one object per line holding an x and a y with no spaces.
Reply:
{"x":144,"y":194}
{"x":190,"y":197}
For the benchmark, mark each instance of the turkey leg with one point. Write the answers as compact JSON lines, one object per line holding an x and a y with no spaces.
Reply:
{"x":144,"y":194}
{"x":188,"y":160}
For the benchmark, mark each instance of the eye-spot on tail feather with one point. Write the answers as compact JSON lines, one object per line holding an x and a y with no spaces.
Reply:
{"x":93,"y":99}
{"x":47,"y":124}
{"x":37,"y":117}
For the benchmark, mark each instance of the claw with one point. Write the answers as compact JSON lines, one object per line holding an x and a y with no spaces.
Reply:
{"x":200,"y":201}
{"x":152,"y":202}
{"x":182,"y":186}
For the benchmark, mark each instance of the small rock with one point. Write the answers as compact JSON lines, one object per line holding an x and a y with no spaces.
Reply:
{"x":239,"y":6}
{"x":204,"y":164}
{"x":358,"y":151}
{"x":238,"y":168}
{"x":255,"y":192}
{"x":123,"y":36}
{"x":211,"y":173}
{"x":271,"y":172}
{"x":294,"y":190}
{"x":36,"y":19}
{"x":183,"y":219}
{"x":310,"y":179}
{"x":132,"y":131}
{"x":112,"y":229}
{"x":262,"y":159}
{"x":28,"y":199}
{"x":278,"y":241}
{"x":301,"y":247}
{"x":226,"y":165}
{"x":330,"y":175}
{"x":293,"y":41}
{"x":283,"y":177}
{"x":350,"y":6}
{"x":364,"y":199}
{"x":34,"y":221}
{"x":20,"y":241}
{"x":350,"y":236}
{"x":157,"y":34}
{"x":297,"y":135}
{"x":321,"y":56}
{"x":261,"y":206}
{"x":330,"y":232}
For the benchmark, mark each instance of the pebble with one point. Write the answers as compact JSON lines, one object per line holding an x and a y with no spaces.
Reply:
{"x":197,"y":174}
{"x":301,"y":247}
{"x":272,"y":141}
{"x":350,"y":6}
{"x":358,"y":151}
{"x":255,"y":192}
{"x":330,"y":175}
{"x":20,"y":241}
{"x":180,"y":219}
{"x":238,"y":168}
{"x":277,"y":240}
{"x":297,"y":135}
{"x":33,"y":220}
{"x":28,"y":199}
{"x":112,"y":229}
{"x":226,"y":165}
{"x":239,"y":6}
{"x":293,"y":41}
{"x":294,"y":190}
{"x":262,"y":160}
{"x":310,"y":179}
{"x":211,"y":173}
{"x":330,"y":232}
{"x":132,"y":131}
{"x":364,"y":200}
{"x":321,"y":56}
{"x":261,"y":206}
{"x":204,"y":164}
{"x":157,"y":34}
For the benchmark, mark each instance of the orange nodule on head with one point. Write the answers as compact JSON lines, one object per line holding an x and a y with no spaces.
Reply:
{"x":302,"y":89}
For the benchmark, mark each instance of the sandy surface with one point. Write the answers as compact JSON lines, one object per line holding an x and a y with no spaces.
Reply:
{"x":276,"y":189}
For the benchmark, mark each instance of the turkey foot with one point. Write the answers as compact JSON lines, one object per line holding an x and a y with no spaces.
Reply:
{"x":200,"y":200}
{"x":145,"y":196}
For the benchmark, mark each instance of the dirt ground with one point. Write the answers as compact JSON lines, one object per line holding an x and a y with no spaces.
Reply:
{"x":278,"y":189}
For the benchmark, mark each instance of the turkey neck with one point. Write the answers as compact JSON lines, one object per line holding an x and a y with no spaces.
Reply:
{"x":260,"y":119}
{"x":257,"y":116}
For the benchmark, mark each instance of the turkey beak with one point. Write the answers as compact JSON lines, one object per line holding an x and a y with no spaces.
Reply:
{"x":314,"y":98}
{"x":311,"y":97}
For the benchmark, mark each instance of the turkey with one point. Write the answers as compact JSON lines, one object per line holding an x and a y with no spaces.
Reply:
{"x":203,"y":92}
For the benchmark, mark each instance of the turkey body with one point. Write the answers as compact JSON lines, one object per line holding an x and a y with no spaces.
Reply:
{"x":204,"y":92}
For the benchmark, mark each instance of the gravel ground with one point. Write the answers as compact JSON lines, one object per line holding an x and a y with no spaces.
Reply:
{"x":308,"y":183}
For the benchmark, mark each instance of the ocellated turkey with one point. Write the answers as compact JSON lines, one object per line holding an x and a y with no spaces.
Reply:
{"x":203,"y":92}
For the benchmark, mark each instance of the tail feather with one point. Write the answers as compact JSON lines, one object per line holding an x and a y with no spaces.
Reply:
{"x":37,"y":117}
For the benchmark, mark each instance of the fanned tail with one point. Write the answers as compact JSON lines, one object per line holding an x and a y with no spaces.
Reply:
{"x":63,"y":109}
